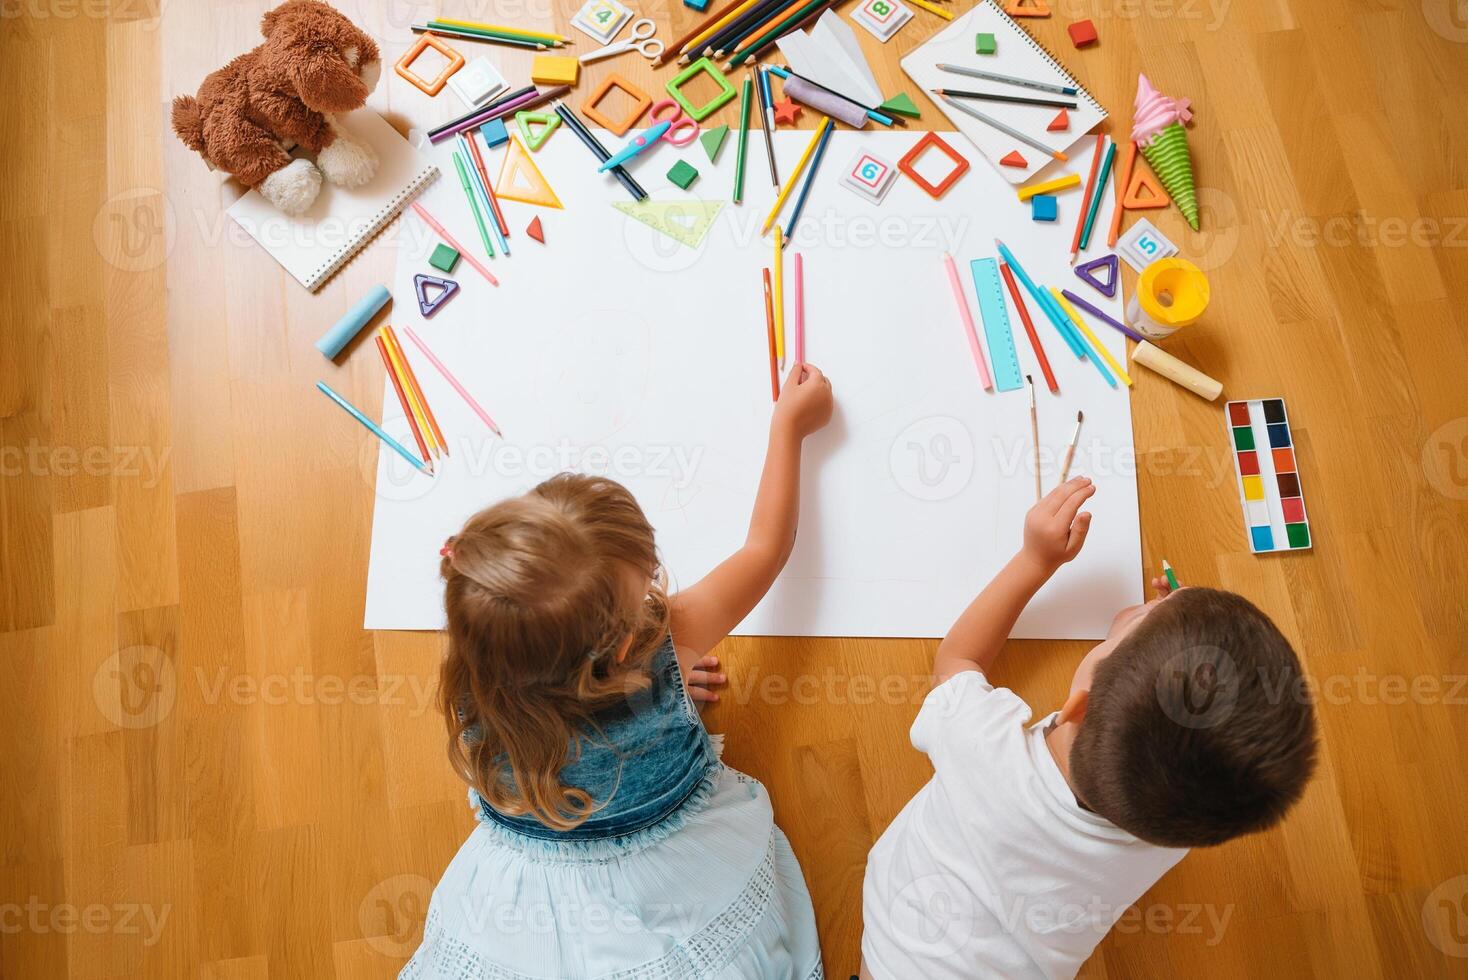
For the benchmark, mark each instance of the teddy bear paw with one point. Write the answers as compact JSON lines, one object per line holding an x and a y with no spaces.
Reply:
{"x":347,"y":163}
{"x":293,"y":188}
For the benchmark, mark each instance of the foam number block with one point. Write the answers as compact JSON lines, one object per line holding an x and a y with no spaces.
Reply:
{"x":1043,"y":207}
{"x":535,"y":139}
{"x":683,"y":174}
{"x":444,"y":257}
{"x":521,"y":180}
{"x":601,"y":19}
{"x":697,"y":113}
{"x":882,"y":18}
{"x":921,"y":147}
{"x":870,"y":176}
{"x":1143,"y":244}
{"x":477,"y":82}
{"x":554,"y":69}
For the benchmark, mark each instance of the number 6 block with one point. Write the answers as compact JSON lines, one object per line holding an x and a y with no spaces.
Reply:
{"x":869,"y":175}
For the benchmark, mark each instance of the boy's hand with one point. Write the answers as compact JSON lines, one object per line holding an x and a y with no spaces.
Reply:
{"x":805,"y":402}
{"x":1055,"y":528}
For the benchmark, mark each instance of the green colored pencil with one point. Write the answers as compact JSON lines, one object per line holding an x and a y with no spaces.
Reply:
{"x":1100,"y":189}
{"x":744,"y":98}
{"x":774,"y":33}
{"x":1171,"y":578}
{"x":473,"y":204}
{"x":461,"y":29}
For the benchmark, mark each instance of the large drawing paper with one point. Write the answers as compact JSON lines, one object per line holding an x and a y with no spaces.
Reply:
{"x":612,"y":349}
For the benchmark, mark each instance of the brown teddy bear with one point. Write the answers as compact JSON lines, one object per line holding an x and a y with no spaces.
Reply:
{"x":314,"y":64}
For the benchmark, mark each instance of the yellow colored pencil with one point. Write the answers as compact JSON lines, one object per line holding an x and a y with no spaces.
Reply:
{"x":718,"y":25}
{"x":502,"y":29}
{"x":1091,"y":338}
{"x":815,"y":137}
{"x":779,"y":297}
{"x":413,"y":407}
{"x":418,"y":390}
{"x":932,"y":8}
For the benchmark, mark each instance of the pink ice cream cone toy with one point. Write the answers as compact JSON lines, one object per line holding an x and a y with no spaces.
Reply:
{"x":1157,"y":129}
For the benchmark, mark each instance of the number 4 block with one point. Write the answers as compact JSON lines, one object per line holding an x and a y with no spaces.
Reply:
{"x":869,"y":175}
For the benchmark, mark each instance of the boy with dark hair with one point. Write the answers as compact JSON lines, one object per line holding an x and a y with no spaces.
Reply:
{"x":1187,"y":726}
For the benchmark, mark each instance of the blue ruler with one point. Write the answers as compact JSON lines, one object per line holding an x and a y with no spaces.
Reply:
{"x":996,"y":324}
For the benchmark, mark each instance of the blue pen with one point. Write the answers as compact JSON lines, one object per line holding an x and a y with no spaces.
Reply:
{"x":478,"y":179}
{"x":872,"y":114}
{"x":372,"y":427}
{"x":635,"y":146}
{"x":1043,"y":300}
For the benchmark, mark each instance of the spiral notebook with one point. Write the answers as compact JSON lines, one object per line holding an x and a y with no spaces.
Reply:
{"x":312,"y":246}
{"x":1017,"y":54}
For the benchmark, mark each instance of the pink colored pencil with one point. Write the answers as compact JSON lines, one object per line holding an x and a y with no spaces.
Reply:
{"x":442,"y":232}
{"x":453,"y":381}
{"x":968,"y":324}
{"x":799,"y":310}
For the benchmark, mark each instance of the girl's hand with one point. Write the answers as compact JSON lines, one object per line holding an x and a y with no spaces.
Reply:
{"x":1054,"y":528}
{"x":1160,"y":586}
{"x":704,"y":677}
{"x":805,"y":402}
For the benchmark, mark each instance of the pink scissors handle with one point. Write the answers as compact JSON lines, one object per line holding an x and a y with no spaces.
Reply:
{"x":675,"y":122}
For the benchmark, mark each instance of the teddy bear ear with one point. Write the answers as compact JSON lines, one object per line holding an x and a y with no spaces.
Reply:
{"x":325,"y":82}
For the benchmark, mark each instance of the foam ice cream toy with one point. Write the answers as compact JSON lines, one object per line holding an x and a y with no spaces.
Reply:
{"x":1157,"y":129}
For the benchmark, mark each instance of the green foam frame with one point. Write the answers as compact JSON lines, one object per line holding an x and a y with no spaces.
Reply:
{"x":697,"y":113}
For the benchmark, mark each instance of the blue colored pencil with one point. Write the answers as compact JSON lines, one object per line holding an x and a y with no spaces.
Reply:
{"x":1044,"y":301}
{"x":478,"y":180}
{"x":373,"y":428}
{"x":810,"y":178}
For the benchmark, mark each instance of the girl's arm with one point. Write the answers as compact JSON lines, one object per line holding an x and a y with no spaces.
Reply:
{"x":704,"y":613}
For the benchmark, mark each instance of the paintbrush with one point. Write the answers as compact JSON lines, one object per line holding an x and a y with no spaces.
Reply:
{"x":1070,"y":452}
{"x":1035,"y":435}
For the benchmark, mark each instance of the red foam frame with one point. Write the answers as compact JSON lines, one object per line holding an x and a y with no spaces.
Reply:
{"x":933,"y":140}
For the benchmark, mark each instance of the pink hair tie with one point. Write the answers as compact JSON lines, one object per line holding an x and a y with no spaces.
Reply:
{"x":447,"y":551}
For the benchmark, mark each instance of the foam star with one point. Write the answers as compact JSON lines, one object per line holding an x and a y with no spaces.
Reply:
{"x":786,"y":111}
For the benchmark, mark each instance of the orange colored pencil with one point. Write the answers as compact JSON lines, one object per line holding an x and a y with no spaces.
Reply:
{"x":403,"y":400}
{"x":770,"y":336}
{"x":1123,"y":180}
{"x":412,"y":380}
{"x":1075,"y":243}
{"x":494,"y":201}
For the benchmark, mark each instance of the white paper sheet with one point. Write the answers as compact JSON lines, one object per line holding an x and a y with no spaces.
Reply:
{"x":611,"y":349}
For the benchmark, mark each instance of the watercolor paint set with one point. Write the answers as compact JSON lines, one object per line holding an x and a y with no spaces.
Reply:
{"x":1268,"y":474}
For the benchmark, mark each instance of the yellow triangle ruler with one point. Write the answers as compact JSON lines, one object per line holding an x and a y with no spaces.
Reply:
{"x":685,"y":222}
{"x":521,"y":180}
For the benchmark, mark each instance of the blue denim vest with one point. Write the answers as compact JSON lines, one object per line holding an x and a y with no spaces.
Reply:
{"x":640,"y":763}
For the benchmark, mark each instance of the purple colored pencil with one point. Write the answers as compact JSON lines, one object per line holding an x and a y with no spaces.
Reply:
{"x":1097,"y":313}
{"x":505,"y":99}
{"x":529,"y":101}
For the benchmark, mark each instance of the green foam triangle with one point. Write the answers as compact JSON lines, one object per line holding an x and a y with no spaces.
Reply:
{"x":712,"y":140}
{"x":685,"y":222}
{"x":900,"y":104}
{"x":548,"y":121}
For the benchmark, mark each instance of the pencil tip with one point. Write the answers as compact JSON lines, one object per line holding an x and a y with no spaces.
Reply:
{"x":1079,"y":416}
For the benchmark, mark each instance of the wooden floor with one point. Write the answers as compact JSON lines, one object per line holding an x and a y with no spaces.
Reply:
{"x":210,"y":770}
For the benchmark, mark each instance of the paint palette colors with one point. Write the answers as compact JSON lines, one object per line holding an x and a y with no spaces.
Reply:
{"x":1269,"y":475}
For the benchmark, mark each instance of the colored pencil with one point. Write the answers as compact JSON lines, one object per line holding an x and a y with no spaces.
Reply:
{"x":1004,"y":128}
{"x":714,"y":22}
{"x":1070,"y":452}
{"x":1102,"y":354}
{"x":970,"y":332}
{"x":453,"y":382}
{"x":774,"y":34}
{"x":602,"y":154}
{"x":480,"y":179}
{"x":872,"y":114}
{"x":991,"y":76}
{"x":762,"y":86}
{"x":932,"y":8}
{"x":1035,"y":436}
{"x":727,"y":38}
{"x":961,"y":93}
{"x":503,"y":100}
{"x":415,"y":397}
{"x":397,"y":346}
{"x":498,"y":111}
{"x":1123,"y":181}
{"x":779,"y":267}
{"x":473,"y":203}
{"x":799,"y":310}
{"x":494,"y":201}
{"x":474,"y":33}
{"x":1043,"y":301}
{"x":474,"y":25}
{"x":770,"y":338}
{"x":397,"y":386}
{"x":1171,"y":577}
{"x":794,"y":175}
{"x":1095,"y":207}
{"x":1075,"y":242}
{"x":810,"y":178}
{"x":1024,"y":317}
{"x":432,"y":222}
{"x":744,"y":98}
{"x":463,"y":35}
{"x":373,"y":427}
{"x":1101,"y":315}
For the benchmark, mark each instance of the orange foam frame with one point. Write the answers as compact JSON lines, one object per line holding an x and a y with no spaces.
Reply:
{"x":616,"y":81}
{"x":426,"y":41}
{"x":933,"y":141}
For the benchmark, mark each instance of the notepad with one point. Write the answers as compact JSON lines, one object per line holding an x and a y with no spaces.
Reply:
{"x":314,"y":245}
{"x":1017,"y":54}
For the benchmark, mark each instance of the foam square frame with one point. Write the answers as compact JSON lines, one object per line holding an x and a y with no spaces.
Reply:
{"x":614,"y":80}
{"x":933,"y":140}
{"x":698,"y":113}
{"x":424,"y":42}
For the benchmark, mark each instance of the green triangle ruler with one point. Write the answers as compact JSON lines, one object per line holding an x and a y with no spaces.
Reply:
{"x":685,"y":222}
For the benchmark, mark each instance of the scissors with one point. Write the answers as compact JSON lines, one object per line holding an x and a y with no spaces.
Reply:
{"x":642,"y":39}
{"x":663,"y":129}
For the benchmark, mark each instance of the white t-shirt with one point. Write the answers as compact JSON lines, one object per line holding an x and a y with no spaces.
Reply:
{"x":993,"y":869}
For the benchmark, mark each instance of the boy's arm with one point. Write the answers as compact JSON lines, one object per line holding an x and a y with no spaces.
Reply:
{"x":704,"y":613}
{"x":1054,"y":532}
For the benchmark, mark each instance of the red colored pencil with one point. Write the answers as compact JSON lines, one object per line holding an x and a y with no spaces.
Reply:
{"x":770,"y":336}
{"x":1123,"y":178}
{"x":1024,"y":317}
{"x":1091,"y":188}
{"x":403,"y":400}
{"x":494,"y":202}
